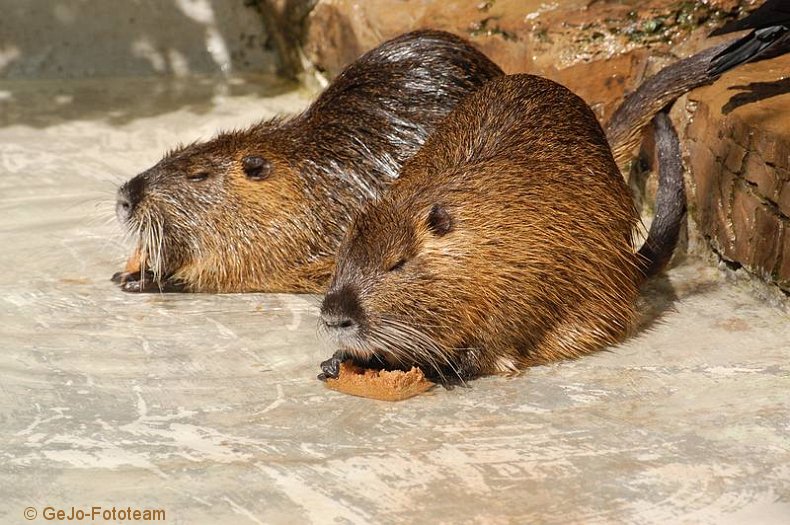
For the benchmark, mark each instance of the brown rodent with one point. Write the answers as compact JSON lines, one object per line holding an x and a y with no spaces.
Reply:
{"x":508,"y":240}
{"x":264,"y":209}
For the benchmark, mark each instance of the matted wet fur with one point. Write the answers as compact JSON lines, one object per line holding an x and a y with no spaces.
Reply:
{"x":507,"y":242}
{"x":264,"y":209}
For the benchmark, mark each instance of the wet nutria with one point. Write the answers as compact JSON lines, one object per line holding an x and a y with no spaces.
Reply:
{"x":264,"y":209}
{"x":508,"y":240}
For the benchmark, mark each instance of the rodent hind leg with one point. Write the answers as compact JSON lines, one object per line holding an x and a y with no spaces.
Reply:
{"x":573,"y":338}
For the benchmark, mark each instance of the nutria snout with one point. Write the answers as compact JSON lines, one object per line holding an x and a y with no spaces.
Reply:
{"x":264,"y":209}
{"x":340,"y":310}
{"x":129,"y":195}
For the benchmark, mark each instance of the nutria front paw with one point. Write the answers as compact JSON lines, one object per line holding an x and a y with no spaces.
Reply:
{"x":330,"y":369}
{"x":118,"y":277}
{"x":140,"y":286}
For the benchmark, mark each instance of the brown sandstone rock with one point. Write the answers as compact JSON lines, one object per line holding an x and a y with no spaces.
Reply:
{"x":739,"y":154}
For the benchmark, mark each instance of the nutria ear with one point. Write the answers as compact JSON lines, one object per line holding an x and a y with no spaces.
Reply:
{"x":439,"y":221}
{"x":255,"y":167}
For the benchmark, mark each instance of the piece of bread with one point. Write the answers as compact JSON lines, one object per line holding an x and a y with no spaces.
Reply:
{"x":394,"y":385}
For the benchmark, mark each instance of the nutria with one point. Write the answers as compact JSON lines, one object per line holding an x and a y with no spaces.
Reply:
{"x":264,"y":209}
{"x":508,"y":240}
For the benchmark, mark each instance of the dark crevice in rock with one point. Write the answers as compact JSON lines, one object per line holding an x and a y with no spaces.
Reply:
{"x":738,"y":269}
{"x":730,"y":264}
{"x":773,"y":207}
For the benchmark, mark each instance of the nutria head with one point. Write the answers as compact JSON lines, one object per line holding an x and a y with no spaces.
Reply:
{"x":506,"y":242}
{"x":230,"y":210}
{"x":388,"y":298}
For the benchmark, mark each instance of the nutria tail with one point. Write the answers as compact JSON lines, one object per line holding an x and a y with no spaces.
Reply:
{"x":670,"y":199}
{"x":770,"y":36}
{"x":756,"y":44}
{"x":624,"y":129}
{"x":624,"y":132}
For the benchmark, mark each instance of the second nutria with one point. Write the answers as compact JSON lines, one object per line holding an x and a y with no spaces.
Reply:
{"x":264,"y":209}
{"x":508,"y":240}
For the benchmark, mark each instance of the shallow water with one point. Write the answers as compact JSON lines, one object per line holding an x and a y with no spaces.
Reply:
{"x":207,"y":406}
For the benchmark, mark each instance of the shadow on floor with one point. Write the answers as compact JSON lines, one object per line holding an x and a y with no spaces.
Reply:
{"x":118,"y":101}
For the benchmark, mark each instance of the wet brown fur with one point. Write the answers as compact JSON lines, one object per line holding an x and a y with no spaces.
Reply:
{"x":538,"y":263}
{"x":228,"y":233}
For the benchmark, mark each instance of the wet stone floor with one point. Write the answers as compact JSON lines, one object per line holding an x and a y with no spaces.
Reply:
{"x":207,"y":407}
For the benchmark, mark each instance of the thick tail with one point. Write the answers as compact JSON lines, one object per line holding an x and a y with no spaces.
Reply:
{"x":656,"y":94}
{"x":770,"y":36}
{"x":755,"y":44}
{"x":670,"y":199}
{"x":624,"y":129}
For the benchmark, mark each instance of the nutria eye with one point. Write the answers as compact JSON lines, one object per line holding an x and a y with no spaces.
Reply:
{"x":197,"y":177}
{"x":256,"y":168}
{"x":397,"y":266}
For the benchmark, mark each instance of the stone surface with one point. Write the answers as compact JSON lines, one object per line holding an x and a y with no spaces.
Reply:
{"x":285,"y":22}
{"x":207,"y":406}
{"x":738,"y":144}
{"x":87,"y":38}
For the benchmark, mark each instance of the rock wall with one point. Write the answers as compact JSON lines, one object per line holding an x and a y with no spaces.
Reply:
{"x":738,"y":143}
{"x":601,"y":50}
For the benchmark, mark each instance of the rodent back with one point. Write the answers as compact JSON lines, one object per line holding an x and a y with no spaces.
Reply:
{"x":384,"y":105}
{"x":525,"y":118}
